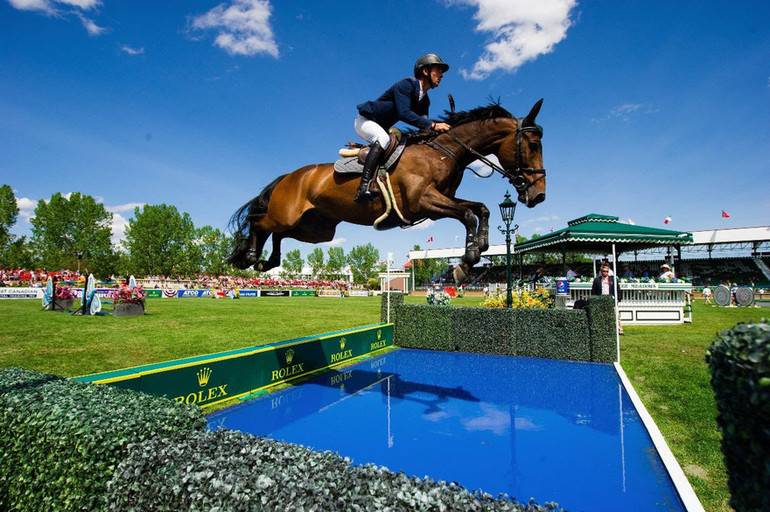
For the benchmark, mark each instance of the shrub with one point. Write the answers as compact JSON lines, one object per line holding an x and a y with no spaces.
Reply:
{"x":423,"y":326}
{"x":396,"y":299}
{"x":61,"y":439}
{"x":739,"y":362}
{"x":230,"y":470}
{"x":553,"y":334}
{"x":602,"y":325}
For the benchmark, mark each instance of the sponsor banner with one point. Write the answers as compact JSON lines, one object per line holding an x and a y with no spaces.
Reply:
{"x":207,"y":380}
{"x":274,"y":293}
{"x":154,"y":293}
{"x":22,"y":293}
{"x":249,"y":293}
{"x":193,"y":293}
{"x":359,"y":293}
{"x":303,"y":293}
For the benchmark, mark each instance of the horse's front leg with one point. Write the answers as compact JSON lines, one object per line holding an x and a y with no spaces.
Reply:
{"x":482,"y":213}
{"x":438,"y":206}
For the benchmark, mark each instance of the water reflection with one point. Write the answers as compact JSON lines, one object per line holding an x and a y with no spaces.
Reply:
{"x":553,"y":430}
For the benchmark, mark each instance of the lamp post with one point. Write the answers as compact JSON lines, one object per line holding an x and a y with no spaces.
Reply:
{"x":507,"y":211}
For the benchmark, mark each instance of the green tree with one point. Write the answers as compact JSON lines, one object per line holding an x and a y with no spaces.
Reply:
{"x":315,"y":261}
{"x":73,"y":232}
{"x":208,"y":251}
{"x":18,"y":254}
{"x":157,"y":238}
{"x":9,"y":212}
{"x":292,"y":264}
{"x":362,"y":260}
{"x":335,"y":263}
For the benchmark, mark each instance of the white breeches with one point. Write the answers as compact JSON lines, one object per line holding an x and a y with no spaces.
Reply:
{"x":371,"y":132}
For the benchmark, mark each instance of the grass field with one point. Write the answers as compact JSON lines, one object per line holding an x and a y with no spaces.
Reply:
{"x":665,"y":363}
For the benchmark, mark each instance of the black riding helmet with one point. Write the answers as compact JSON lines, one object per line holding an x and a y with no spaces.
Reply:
{"x":429,"y":59}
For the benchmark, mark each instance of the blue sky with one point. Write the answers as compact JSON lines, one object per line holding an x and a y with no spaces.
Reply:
{"x":652,"y":109}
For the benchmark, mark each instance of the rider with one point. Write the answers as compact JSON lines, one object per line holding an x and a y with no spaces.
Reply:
{"x":407,"y":100}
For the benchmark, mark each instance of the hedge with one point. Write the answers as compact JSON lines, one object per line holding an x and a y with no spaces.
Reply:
{"x":61,"y":439}
{"x":739,"y":362}
{"x":229,"y":470}
{"x":577,"y":335}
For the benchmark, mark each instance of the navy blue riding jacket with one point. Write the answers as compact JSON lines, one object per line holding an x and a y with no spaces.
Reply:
{"x":399,"y":103}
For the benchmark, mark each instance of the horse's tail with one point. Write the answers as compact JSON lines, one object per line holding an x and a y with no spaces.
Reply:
{"x":240,"y":223}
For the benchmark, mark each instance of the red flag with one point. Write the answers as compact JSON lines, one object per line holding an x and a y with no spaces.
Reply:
{"x":430,"y":240}
{"x":725,"y":214}
{"x":668,"y":219}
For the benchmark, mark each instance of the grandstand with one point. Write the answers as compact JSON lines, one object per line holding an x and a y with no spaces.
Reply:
{"x":737,"y":255}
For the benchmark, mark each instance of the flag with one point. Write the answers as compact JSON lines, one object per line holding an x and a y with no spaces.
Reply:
{"x":725,"y":214}
{"x":668,"y":219}
{"x":631,"y":222}
{"x":430,"y":240}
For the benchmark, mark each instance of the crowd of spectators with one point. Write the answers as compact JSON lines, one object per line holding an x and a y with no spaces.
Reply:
{"x":700,"y":272}
{"x":37,"y":278}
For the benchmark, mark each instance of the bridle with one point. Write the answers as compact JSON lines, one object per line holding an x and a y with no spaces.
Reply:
{"x":517,"y":175}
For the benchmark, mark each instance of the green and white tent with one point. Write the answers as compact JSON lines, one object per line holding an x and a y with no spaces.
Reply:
{"x":599,"y":234}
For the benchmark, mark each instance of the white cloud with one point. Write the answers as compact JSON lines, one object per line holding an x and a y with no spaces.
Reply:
{"x":131,"y":51}
{"x":26,"y":207}
{"x":426,"y":224}
{"x":521,"y":31}
{"x":336,"y":242}
{"x":242,"y":27}
{"x":92,"y":28}
{"x":52,"y":8}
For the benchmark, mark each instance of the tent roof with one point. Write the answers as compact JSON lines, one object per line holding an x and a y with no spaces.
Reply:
{"x":594,"y":233}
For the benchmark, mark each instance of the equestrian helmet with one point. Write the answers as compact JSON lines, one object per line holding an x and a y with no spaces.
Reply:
{"x":429,"y":59}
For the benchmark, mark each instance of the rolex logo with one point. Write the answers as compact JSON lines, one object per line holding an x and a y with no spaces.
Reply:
{"x":379,"y":333}
{"x":342,"y":343}
{"x":203,"y":376}
{"x":289,"y":356}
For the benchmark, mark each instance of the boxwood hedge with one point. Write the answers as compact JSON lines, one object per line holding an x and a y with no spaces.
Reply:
{"x":579,"y":335}
{"x":229,"y":470}
{"x":60,"y":439}
{"x":739,"y":362}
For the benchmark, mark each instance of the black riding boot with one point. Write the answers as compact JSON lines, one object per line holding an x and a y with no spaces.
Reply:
{"x":370,"y":167}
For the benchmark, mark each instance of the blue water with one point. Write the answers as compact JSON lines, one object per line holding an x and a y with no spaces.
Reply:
{"x":551,"y":430}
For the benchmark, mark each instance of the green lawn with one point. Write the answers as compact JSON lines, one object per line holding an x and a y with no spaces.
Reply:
{"x":665,"y":363}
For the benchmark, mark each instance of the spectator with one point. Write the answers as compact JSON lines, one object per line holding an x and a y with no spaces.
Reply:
{"x":571,"y":274}
{"x":605,"y":284}
{"x":627,"y":272}
{"x":665,"y":272}
{"x":707,"y":294}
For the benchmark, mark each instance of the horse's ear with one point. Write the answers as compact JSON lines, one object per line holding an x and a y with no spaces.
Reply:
{"x":451,"y":103}
{"x":530,"y":119}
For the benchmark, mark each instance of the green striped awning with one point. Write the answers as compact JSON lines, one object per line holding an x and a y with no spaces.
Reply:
{"x":595,"y":233}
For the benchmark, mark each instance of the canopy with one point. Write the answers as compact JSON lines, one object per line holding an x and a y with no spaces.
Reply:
{"x":595,"y":233}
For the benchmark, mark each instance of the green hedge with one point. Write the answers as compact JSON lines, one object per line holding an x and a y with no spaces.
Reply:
{"x":602,"y":324}
{"x":739,"y":362}
{"x":396,"y":299}
{"x":61,"y":439}
{"x":577,"y":335}
{"x":229,"y":470}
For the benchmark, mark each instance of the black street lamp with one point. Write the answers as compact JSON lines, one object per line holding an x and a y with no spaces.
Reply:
{"x":507,"y":211}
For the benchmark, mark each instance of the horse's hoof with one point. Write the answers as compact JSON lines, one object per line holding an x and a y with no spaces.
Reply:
{"x":459,"y":274}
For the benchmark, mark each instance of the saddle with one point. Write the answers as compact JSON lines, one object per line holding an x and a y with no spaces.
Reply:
{"x":354,"y":155}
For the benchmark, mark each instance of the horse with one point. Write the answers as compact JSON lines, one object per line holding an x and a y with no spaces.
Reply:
{"x":309,"y":203}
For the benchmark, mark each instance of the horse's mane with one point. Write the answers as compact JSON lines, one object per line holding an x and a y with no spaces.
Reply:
{"x":454,"y":119}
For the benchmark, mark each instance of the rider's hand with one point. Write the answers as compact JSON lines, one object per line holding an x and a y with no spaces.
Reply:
{"x":440,"y":127}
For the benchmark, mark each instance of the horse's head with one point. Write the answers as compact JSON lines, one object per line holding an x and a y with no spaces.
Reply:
{"x":521,"y":155}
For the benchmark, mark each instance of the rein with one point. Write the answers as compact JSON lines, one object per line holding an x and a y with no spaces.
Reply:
{"x":517,"y":176}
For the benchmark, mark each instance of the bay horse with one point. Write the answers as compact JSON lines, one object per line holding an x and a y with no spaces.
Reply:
{"x":309,"y":203}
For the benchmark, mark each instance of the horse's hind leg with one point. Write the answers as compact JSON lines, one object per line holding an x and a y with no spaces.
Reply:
{"x":257,"y":239}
